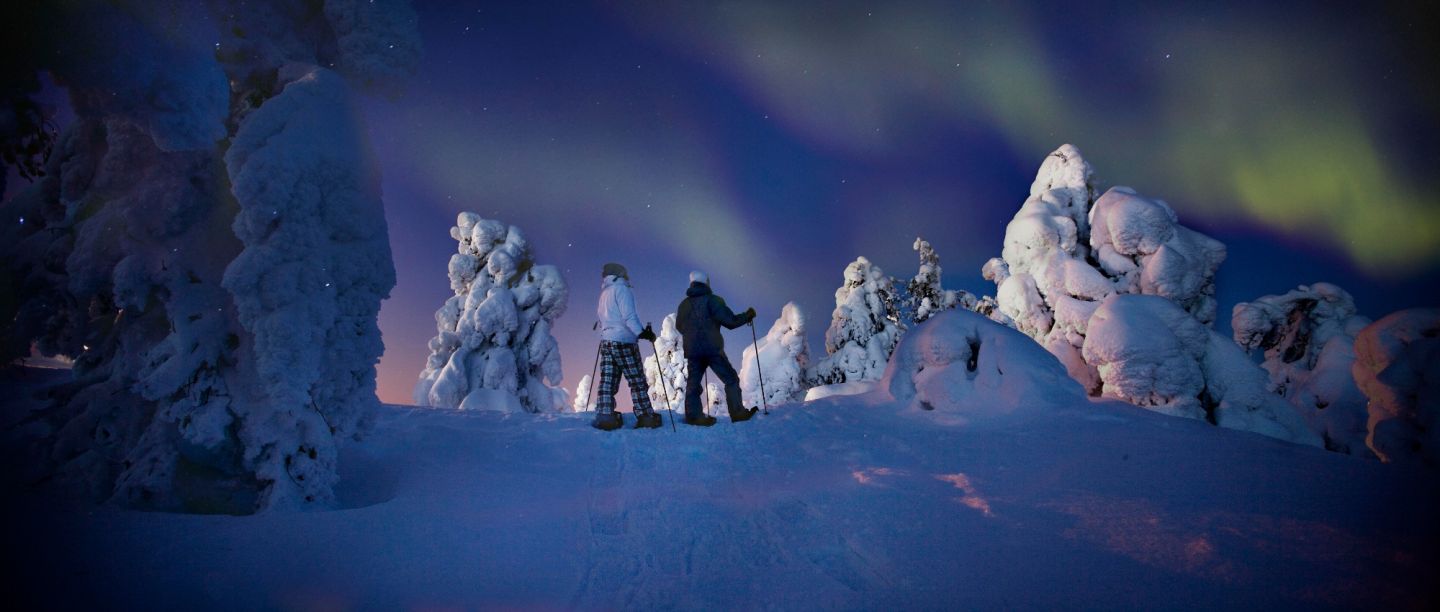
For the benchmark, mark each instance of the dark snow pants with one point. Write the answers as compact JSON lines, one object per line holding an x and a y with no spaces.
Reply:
{"x":618,"y":358}
{"x":695,"y":379}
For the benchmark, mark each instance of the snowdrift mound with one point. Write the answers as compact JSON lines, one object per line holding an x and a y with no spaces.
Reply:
{"x":962,"y":362}
{"x":1308,"y":336}
{"x":1152,"y":353}
{"x":856,"y":387}
{"x":1397,"y":366}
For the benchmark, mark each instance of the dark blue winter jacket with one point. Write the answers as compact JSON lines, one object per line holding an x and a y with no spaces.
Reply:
{"x":699,"y":318}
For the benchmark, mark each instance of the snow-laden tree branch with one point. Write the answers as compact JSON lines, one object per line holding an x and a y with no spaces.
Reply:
{"x":209,"y":246}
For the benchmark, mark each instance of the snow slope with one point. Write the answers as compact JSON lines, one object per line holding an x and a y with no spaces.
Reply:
{"x":849,"y":502}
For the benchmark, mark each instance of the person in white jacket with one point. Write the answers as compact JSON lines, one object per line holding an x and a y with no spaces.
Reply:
{"x":620,"y":332}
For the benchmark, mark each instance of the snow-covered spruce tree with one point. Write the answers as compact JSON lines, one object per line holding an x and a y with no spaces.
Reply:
{"x":784,"y":355}
{"x":1065,"y":252}
{"x":1397,"y":366}
{"x":195,"y":197}
{"x":1308,"y":337}
{"x":713,"y":399}
{"x":1150,"y":352}
{"x":669,"y":360}
{"x":582,"y":402}
{"x":863,"y":328}
{"x":924,"y":297}
{"x":494,"y":349}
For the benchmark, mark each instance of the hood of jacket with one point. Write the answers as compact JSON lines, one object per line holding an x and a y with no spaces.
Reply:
{"x":698,"y":289}
{"x":612,"y":280}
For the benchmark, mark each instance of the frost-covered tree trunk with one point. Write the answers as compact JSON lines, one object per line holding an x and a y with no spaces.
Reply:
{"x":669,"y":362}
{"x":863,"y":328}
{"x":1308,"y":338}
{"x":309,"y":282}
{"x":1397,"y":366}
{"x":183,"y":213}
{"x":1066,"y":251}
{"x":494,"y":349}
{"x":784,"y":355}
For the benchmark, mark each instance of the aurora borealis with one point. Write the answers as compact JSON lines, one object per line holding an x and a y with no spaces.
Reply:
{"x":772,"y":144}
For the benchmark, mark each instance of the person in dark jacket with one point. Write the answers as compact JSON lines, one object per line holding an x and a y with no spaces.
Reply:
{"x":699,"y":319}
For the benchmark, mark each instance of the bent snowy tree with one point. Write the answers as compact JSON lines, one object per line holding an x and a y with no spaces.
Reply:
{"x":1123,"y":295}
{"x":784,"y":355}
{"x":1056,"y":267}
{"x":1308,"y":337}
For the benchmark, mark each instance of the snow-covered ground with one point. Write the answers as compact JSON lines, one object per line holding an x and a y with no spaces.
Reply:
{"x":846,"y":502}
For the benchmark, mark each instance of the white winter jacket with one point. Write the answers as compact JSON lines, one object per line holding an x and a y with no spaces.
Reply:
{"x":616,"y":312}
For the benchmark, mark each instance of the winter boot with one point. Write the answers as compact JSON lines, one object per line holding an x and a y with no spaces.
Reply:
{"x":744,"y":416}
{"x":608,"y":421}
{"x":648,"y":420}
{"x":703,"y":420}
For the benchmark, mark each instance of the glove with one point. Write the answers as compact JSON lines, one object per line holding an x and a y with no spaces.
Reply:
{"x":749,"y":314}
{"x":647,"y":334}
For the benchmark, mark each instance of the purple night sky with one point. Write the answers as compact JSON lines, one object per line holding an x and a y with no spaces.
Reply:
{"x":771,"y":145}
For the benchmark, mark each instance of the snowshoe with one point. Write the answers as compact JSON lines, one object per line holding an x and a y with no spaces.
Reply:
{"x":608,"y":421}
{"x":703,"y":420}
{"x":744,"y":416}
{"x":648,"y":420}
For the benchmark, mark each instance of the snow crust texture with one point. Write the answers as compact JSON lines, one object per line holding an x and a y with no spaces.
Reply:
{"x":208,"y":246}
{"x":494,"y":333}
{"x":1308,"y":339}
{"x":783,"y":357}
{"x":970,"y":368}
{"x":845,"y":503}
{"x":1397,"y":366}
{"x":1151,"y":353}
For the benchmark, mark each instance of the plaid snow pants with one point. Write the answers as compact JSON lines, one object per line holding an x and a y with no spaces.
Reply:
{"x":618,"y":358}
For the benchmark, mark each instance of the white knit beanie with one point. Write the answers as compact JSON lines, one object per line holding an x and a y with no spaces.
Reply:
{"x":699,"y":277}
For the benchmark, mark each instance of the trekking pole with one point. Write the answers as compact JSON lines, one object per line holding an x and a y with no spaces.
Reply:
{"x":664,"y":386}
{"x":595,"y":369}
{"x":590,"y":390}
{"x":755,"y":345}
